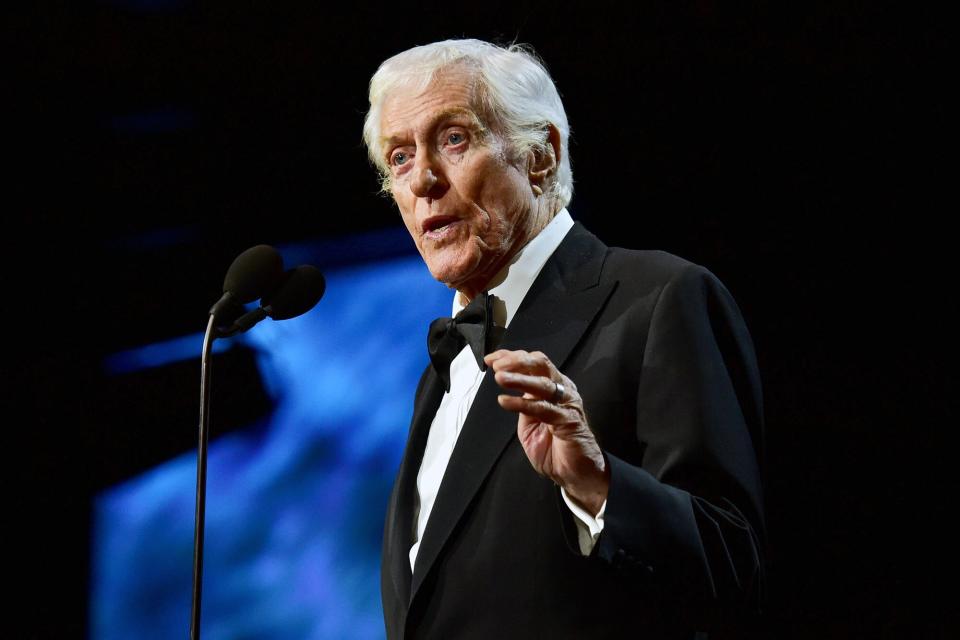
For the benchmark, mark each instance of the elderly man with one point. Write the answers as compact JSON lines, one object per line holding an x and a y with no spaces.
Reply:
{"x":581,"y":459}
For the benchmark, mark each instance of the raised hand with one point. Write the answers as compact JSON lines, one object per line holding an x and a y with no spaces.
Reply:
{"x":552,"y":425}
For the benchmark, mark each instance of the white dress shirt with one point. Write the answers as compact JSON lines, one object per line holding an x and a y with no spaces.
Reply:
{"x":509,"y":286}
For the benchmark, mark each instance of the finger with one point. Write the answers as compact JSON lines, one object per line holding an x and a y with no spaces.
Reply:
{"x":540,"y":409}
{"x":523,"y":362}
{"x":493,"y":356}
{"x":538,"y":386}
{"x":506,"y":359}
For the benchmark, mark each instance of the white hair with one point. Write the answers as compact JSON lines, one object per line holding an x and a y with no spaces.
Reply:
{"x":512,"y":88}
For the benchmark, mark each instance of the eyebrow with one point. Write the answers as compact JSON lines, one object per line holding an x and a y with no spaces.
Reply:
{"x":439,"y":117}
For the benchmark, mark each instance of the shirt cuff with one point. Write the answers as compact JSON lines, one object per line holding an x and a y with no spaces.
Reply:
{"x":588,"y":527}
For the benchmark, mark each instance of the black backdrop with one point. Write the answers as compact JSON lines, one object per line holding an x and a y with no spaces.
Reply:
{"x":797,"y":154}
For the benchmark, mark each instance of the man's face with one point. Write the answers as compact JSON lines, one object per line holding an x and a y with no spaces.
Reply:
{"x":467,"y":207}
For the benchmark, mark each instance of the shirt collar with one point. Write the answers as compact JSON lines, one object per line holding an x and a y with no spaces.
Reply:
{"x":515,"y":279}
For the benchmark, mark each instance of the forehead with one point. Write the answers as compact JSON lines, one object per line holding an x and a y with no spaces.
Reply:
{"x":407,"y":109}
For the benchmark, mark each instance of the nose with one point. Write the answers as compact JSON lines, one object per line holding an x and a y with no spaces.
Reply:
{"x":428,"y":180}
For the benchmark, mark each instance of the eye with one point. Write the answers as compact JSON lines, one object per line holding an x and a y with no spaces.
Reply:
{"x":399,"y":158}
{"x":456,"y":138}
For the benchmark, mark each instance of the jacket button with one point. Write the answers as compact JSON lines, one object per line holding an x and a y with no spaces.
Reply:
{"x":619,"y":558}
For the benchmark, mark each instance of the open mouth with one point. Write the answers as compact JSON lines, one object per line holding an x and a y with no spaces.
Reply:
{"x":436,"y":225}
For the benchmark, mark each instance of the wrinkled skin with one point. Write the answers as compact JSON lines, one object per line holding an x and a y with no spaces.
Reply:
{"x":470,"y":206}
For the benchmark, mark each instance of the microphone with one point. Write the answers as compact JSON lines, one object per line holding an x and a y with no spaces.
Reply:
{"x":254,"y":273}
{"x":299,"y":291}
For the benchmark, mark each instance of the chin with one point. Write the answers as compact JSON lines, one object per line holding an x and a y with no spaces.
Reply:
{"x":451,"y":273}
{"x":448,"y":277}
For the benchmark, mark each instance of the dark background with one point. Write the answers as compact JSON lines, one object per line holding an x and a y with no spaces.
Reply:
{"x":799,"y":154}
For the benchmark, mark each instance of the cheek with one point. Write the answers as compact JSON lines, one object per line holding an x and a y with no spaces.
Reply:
{"x":506,"y":207}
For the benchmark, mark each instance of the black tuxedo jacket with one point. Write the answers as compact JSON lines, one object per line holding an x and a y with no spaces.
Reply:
{"x":665,"y":367}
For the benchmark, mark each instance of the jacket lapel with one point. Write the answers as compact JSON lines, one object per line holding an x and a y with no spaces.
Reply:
{"x":555,"y":313}
{"x":399,"y":524}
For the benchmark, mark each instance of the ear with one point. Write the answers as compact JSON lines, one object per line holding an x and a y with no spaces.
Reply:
{"x":545,"y":161}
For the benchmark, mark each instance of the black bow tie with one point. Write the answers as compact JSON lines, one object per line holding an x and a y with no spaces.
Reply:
{"x":474,"y":326}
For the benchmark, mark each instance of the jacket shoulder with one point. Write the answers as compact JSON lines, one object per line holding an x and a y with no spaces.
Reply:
{"x":647,"y":269}
{"x":639,"y":271}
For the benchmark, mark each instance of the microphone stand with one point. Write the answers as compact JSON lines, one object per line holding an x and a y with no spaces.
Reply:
{"x":206,"y":367}
{"x":305,"y":291}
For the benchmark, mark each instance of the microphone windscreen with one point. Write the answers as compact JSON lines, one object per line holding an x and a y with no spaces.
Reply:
{"x":254,"y":273}
{"x":300,"y":291}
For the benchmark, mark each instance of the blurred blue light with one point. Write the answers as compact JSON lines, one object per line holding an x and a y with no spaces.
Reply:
{"x":160,"y":353}
{"x":296,"y":503}
{"x":380,"y":244}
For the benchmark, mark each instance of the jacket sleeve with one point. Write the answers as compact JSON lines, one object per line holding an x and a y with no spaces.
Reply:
{"x":688,"y":518}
